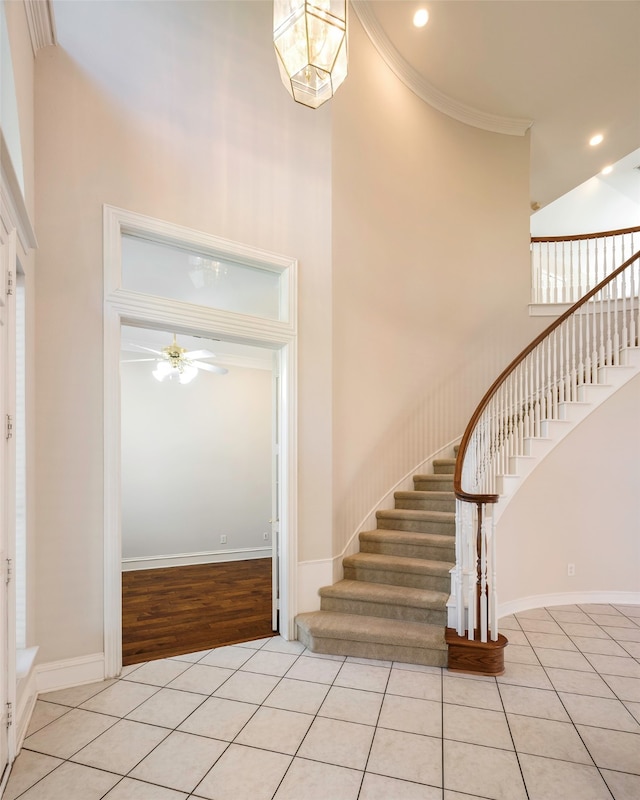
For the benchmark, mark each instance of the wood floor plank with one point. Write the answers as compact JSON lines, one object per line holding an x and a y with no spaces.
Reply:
{"x":176,"y":610}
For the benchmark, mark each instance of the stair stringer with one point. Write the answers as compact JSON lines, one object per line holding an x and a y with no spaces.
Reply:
{"x":572,"y":413}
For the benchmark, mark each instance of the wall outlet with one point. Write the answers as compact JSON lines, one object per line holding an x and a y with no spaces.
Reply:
{"x":223,"y":539}
{"x":571,"y":570}
{"x":265,"y":536}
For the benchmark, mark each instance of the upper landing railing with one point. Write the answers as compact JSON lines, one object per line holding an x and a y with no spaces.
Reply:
{"x":552,"y":371}
{"x":564,"y":268}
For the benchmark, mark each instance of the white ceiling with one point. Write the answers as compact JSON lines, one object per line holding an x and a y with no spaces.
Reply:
{"x":571,"y":67}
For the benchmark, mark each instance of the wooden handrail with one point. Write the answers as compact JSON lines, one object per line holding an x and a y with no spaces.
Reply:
{"x":578,"y":236}
{"x":457,"y":477}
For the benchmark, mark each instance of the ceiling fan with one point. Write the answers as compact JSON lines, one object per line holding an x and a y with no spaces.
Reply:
{"x":174,"y":362}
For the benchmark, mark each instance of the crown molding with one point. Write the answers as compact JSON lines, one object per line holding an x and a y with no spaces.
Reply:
{"x":41,"y":23}
{"x":420,"y":86}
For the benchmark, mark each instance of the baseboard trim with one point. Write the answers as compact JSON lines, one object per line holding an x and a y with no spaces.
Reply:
{"x":568,"y":599}
{"x":26,"y":691}
{"x":192,"y":559}
{"x":69,"y":672}
{"x":311,"y":576}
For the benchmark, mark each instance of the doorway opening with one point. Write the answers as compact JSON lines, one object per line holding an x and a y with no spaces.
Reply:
{"x":230,"y":319}
{"x":198,"y":492}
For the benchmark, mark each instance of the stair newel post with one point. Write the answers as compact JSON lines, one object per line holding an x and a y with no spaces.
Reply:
{"x":481,"y":577}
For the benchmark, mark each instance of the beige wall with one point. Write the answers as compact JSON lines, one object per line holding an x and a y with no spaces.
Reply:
{"x":581,"y":506}
{"x":240,"y":161}
{"x":430,"y":277}
{"x":410,"y":229}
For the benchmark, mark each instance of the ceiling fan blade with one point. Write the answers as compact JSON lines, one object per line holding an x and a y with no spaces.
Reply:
{"x":135,"y":360}
{"x":211,"y":368}
{"x":194,"y":354}
{"x":141,"y":347}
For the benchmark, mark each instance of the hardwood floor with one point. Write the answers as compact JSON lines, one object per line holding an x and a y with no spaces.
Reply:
{"x":168,"y":612}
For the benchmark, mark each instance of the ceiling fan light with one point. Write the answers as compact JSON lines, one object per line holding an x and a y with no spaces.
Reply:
{"x":163,"y":370}
{"x":188,"y":373}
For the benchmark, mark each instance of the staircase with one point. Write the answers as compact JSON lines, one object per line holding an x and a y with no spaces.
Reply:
{"x":391,"y":604}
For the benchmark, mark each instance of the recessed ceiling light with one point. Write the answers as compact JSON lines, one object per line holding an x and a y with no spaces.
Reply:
{"x":607,"y":170}
{"x":421,"y":17}
{"x":595,"y":140}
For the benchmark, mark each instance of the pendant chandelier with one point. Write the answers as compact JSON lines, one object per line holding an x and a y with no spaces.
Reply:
{"x":310,"y":38}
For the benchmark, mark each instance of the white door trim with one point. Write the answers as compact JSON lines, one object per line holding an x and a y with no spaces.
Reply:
{"x":126,"y":307}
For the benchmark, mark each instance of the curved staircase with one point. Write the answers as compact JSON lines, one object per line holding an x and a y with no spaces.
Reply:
{"x":391,"y":604}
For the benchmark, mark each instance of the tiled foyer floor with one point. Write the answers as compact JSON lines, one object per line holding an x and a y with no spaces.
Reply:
{"x":268,"y":719}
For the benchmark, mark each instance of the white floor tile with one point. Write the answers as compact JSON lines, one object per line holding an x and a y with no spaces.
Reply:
{"x":525,"y":675}
{"x":167,"y":708}
{"x":129,"y":789}
{"x":481,"y":694}
{"x":121,"y":747}
{"x":201,"y":678}
{"x":599,"y":712}
{"x":43,"y":714}
{"x":27,"y":769}
{"x":532,"y":702}
{"x":352,"y":705}
{"x":624,"y":688}
{"x":180,"y":762}
{"x":406,"y":756}
{"x":76,"y":695}
{"x":623,"y":786}
{"x":68,"y":734}
{"x":120,"y":699}
{"x":280,"y":645}
{"x":231,"y":657}
{"x":371,"y":678}
{"x":423,"y":685}
{"x":158,"y":673}
{"x":247,"y":687}
{"x":565,"y":659}
{"x":72,"y":782}
{"x":476,"y":726}
{"x":317,"y":670}
{"x":615,"y":750}
{"x":244,"y":772}
{"x":548,"y":738}
{"x":544,"y":777}
{"x":570,"y":680}
{"x":333,"y":741}
{"x":275,"y":729}
{"x":266,"y":662}
{"x":219,"y":718}
{"x":312,"y":780}
{"x":375,"y":726}
{"x":302,"y":696}
{"x":482,"y":771}
{"x":379,"y":787}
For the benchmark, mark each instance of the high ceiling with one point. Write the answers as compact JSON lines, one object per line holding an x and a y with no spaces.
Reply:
{"x":571,"y":67}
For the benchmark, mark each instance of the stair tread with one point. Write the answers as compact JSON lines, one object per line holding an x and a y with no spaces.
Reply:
{"x":385,"y":593}
{"x":398,"y":563}
{"x":417,"y":514}
{"x":416,"y":494}
{"x":335,"y":625}
{"x":407,"y":537}
{"x":431,"y":477}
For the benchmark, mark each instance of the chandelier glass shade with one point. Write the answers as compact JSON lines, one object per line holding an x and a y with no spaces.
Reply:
{"x":310,"y":39}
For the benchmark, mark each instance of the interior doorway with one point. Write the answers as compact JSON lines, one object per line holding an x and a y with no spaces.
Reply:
{"x":199,"y":493}
{"x":257,"y":309}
